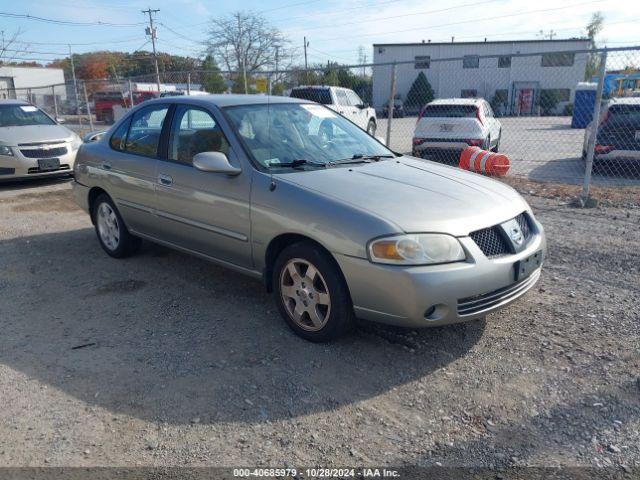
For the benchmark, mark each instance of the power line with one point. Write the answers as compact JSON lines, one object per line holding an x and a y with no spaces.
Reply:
{"x":369,"y":19}
{"x":475,"y":20}
{"x":67,"y":22}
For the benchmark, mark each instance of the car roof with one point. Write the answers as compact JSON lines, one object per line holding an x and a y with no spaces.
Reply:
{"x":12,"y":101}
{"x":224,"y":100}
{"x":456,"y":101}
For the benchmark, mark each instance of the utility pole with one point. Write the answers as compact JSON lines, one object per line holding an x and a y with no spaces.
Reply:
{"x":151,"y":30}
{"x":75,"y":83}
{"x":306,"y":65}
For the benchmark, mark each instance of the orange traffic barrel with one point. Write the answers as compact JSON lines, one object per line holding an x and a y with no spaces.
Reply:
{"x":484,"y":161}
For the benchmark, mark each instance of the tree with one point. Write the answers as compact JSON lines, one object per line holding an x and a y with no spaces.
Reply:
{"x":420,"y":92}
{"x":594,"y":27}
{"x":212,"y":81}
{"x":10,"y":48}
{"x":245,"y":41}
{"x":548,"y":101}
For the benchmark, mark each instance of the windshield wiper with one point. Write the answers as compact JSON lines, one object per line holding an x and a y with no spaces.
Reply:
{"x":360,"y":158}
{"x":298,"y":163}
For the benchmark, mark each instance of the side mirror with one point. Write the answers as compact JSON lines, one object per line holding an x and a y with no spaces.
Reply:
{"x":60,"y":120}
{"x":215,"y":162}
{"x":363,"y":105}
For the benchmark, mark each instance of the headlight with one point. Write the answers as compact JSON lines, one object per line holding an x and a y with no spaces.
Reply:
{"x":6,"y":151}
{"x":75,"y":143}
{"x":416,"y":249}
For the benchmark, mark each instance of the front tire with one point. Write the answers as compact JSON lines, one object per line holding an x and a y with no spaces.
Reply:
{"x":113,"y":235}
{"x":311,"y":294}
{"x":371,"y":128}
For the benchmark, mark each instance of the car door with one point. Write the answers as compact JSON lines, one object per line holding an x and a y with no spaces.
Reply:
{"x":344,"y":107}
{"x":359,"y":112}
{"x":130,"y":168}
{"x":205,"y":212}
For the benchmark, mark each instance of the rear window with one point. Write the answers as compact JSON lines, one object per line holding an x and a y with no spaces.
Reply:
{"x":450,"y":111}
{"x":318,"y":95}
{"x":627,"y":114}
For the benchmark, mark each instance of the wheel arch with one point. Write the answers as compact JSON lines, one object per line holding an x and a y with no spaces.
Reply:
{"x":94,"y":193}
{"x":282,"y":241}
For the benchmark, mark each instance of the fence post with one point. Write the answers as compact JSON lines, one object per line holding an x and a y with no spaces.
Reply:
{"x":594,"y":131}
{"x":55,"y":101}
{"x":189,"y":83}
{"x":130,"y":94}
{"x":391,"y":104}
{"x":86,"y":100}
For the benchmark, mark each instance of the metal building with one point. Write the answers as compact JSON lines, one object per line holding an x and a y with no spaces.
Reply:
{"x":515,"y":72}
{"x":33,"y":84}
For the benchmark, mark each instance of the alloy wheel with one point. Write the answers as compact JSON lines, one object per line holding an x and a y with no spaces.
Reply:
{"x":305,"y":294}
{"x":108,"y":226}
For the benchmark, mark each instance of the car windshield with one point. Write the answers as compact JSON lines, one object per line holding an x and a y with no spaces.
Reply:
{"x":450,"y":111}
{"x":318,"y":95}
{"x":286,"y":133}
{"x":22,"y":116}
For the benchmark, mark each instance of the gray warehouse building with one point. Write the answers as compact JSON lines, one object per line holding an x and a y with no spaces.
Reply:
{"x":485,"y":69}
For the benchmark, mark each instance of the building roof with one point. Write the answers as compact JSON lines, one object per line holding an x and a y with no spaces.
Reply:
{"x":456,"y":101}
{"x":495,"y":42}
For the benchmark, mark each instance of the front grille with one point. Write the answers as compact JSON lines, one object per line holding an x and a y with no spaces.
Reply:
{"x":37,"y":169}
{"x":492,"y":241}
{"x":480,"y":303}
{"x":44,"y":152}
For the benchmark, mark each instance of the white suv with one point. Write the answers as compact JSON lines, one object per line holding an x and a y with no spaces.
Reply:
{"x":445,"y":127}
{"x":344,"y":101}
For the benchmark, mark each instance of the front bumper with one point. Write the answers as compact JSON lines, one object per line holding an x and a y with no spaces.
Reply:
{"x":440,"y":151}
{"x":425,"y":296}
{"x":19,"y":166}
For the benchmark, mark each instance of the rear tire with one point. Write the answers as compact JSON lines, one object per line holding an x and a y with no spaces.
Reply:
{"x":311,"y":293}
{"x":113,"y":235}
{"x":497,"y":146}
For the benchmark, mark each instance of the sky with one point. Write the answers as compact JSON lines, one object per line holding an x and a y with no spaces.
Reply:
{"x":335,"y":29}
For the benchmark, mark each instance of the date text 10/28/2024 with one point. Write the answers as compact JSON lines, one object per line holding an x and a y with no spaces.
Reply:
{"x":316,"y":472}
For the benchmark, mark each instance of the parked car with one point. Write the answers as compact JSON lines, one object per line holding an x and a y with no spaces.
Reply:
{"x":445,"y":127}
{"x":33,"y":144}
{"x":342,"y":100}
{"x":249,"y":182}
{"x":398,"y":107}
{"x":618,"y":135}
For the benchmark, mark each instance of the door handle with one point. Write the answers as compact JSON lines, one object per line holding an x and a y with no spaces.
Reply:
{"x":106,"y":165}
{"x":165,"y":179}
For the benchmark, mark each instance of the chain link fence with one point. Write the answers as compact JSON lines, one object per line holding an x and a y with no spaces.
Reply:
{"x":535,"y":108}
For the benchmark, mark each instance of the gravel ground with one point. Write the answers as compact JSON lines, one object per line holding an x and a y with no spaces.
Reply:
{"x":164,"y":359}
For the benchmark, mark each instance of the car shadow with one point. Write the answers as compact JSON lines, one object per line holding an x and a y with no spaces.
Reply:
{"x":33,"y":183}
{"x":167,"y":337}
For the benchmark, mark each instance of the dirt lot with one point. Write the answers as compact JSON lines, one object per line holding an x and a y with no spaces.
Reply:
{"x":164,"y":359}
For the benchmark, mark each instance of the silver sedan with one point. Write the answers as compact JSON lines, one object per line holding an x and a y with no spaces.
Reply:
{"x":32,"y":144}
{"x":337,"y":225}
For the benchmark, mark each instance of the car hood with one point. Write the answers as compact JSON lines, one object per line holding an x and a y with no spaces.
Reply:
{"x":13,"y":136}
{"x":417,"y":195}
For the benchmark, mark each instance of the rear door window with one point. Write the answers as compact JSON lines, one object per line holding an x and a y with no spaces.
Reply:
{"x":318,"y":95}
{"x":450,"y":111}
